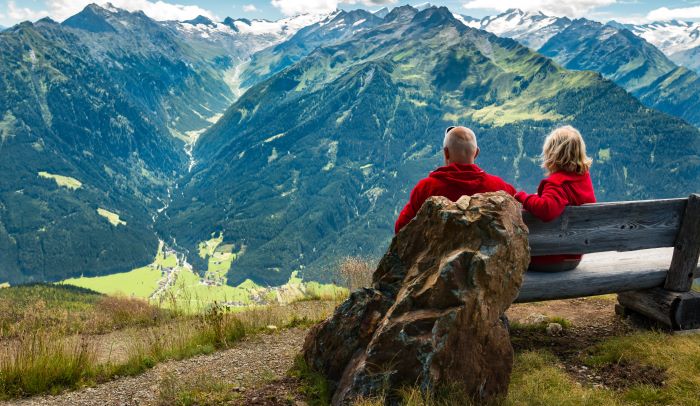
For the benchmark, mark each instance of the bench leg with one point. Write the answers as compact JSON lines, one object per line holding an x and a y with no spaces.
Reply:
{"x":677,"y":310}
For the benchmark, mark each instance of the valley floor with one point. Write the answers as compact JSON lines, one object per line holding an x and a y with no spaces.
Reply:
{"x":256,"y":370}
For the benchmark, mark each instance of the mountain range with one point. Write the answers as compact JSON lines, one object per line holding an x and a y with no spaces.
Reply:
{"x":98,"y":115}
{"x":680,"y":40}
{"x":612,"y":50}
{"x":335,"y":142}
{"x":322,"y":125}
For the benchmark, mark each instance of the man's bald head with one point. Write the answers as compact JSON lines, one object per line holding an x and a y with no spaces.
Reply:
{"x":460,"y":146}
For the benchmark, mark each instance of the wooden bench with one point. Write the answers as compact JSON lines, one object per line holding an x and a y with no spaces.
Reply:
{"x":645,"y":251}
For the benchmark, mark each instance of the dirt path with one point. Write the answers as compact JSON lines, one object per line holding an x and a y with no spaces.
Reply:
{"x":255,"y":361}
{"x":257,"y":366}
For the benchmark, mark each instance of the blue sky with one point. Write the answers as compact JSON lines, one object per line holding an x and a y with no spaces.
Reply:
{"x":13,"y":11}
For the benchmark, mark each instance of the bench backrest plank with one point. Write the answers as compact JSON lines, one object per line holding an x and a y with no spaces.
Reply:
{"x":621,"y":226}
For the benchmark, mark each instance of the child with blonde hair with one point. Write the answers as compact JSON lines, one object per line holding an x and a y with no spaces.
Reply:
{"x":568,"y":184}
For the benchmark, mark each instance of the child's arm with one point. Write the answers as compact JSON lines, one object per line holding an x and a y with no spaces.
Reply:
{"x":548,"y":206}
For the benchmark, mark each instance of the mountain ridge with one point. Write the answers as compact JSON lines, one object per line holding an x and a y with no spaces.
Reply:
{"x":335,"y":141}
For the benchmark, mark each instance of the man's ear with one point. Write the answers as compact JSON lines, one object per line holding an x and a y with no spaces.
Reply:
{"x":477,"y":152}
{"x":446,"y":151}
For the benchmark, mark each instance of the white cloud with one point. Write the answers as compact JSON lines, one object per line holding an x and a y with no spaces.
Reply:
{"x":61,"y":9}
{"x":17,"y":14}
{"x":250,"y":8}
{"x":571,"y":8}
{"x":683,"y":13}
{"x":158,"y":10}
{"x":293,"y":7}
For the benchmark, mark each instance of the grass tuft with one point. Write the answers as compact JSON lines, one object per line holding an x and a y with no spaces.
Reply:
{"x":43,"y":363}
{"x":314,"y":386}
{"x":200,"y":389}
{"x":541,"y":326}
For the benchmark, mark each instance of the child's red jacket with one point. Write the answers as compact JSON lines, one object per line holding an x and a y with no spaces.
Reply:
{"x":559,"y":190}
{"x":452,"y":181}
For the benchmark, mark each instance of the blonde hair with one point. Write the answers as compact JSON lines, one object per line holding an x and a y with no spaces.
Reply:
{"x":565,"y":150}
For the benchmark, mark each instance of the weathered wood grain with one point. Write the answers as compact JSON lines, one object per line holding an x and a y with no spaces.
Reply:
{"x":688,"y":311}
{"x":678,"y":310}
{"x":598,"y":274}
{"x":657,"y":304}
{"x":687,"y":249}
{"x":621,"y":226}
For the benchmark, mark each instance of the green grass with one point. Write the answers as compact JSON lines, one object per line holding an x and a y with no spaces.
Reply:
{"x":40,"y":363}
{"x":189,"y":290}
{"x":207,"y":248}
{"x":313,"y":385}
{"x":139,"y":283}
{"x":537,"y":380}
{"x":50,"y":358}
{"x":113,"y":218}
{"x":67,"y":310}
{"x":201,"y":389}
{"x":64,"y":181}
{"x":542,"y":326}
{"x":54,"y":296}
{"x":538,"y":377}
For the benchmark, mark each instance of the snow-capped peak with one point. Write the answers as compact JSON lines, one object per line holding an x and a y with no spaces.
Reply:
{"x":671,"y":36}
{"x":278,"y":30}
{"x":381,"y":13}
{"x":530,"y":28}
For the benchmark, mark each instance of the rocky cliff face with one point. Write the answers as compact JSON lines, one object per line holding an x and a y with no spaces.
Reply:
{"x":432,"y":316}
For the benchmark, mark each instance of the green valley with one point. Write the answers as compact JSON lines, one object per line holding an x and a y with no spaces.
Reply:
{"x":260,"y":166}
{"x":169,"y":281}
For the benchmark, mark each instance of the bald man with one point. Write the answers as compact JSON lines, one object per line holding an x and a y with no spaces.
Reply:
{"x":459,"y":177}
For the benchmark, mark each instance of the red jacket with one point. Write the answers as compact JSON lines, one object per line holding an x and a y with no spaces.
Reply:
{"x":559,"y":190}
{"x":452,"y":181}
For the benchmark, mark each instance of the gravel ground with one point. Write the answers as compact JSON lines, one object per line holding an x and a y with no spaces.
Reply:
{"x":254,"y":362}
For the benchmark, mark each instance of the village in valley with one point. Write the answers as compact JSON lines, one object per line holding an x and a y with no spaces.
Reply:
{"x":170,"y":280}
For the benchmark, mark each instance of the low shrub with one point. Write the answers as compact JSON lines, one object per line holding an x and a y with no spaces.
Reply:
{"x":356,"y":272}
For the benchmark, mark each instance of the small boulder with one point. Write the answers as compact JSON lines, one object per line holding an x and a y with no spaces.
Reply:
{"x":554,"y":329}
{"x":432,"y":315}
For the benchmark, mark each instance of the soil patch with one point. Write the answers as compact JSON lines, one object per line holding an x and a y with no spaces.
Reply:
{"x":593,"y":320}
{"x":619,"y":376}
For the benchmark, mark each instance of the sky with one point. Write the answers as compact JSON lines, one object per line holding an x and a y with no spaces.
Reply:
{"x":632,"y":11}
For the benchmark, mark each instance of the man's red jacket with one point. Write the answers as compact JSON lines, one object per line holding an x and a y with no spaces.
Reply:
{"x":557,"y":191}
{"x":452,"y":181}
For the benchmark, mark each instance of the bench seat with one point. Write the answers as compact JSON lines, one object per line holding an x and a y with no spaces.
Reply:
{"x":599,"y":274}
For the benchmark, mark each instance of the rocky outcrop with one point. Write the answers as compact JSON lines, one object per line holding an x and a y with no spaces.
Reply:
{"x":432,"y":316}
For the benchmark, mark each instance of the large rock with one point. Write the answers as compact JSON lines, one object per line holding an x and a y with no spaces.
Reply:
{"x":433,"y":315}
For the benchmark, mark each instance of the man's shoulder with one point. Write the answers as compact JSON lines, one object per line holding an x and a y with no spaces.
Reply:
{"x":424,"y":184}
{"x":495,"y":179}
{"x":497,"y":183}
